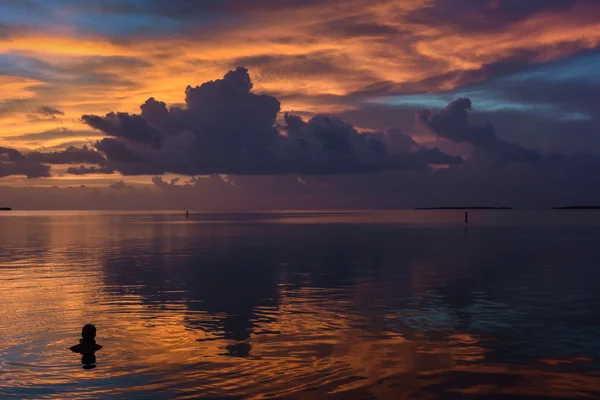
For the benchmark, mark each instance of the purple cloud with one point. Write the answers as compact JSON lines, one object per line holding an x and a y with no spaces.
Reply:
{"x":225,"y":128}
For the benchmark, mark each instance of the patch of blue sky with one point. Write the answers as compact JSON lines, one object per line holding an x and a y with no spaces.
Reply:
{"x":13,"y":64}
{"x":11,"y":15}
{"x":484,"y":101}
{"x":492,"y":96}
{"x":575,"y":116}
{"x":47,"y":14}
{"x":124,"y":25}
{"x":481,"y":100}
{"x":585,"y":67}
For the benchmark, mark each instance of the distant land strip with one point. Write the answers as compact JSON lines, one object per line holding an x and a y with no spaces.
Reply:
{"x":5,"y":208}
{"x":578,"y":208}
{"x":463,"y":208}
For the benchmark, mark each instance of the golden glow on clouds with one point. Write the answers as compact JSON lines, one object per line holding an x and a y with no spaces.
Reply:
{"x":91,"y":74}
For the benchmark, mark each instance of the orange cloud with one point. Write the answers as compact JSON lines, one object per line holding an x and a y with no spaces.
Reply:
{"x":316,"y":58}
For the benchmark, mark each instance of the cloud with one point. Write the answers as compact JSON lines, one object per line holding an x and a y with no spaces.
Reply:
{"x":225,"y":128}
{"x":11,"y":106}
{"x":58,"y":133}
{"x":45,"y":113}
{"x":161,"y":183}
{"x":30,"y":170}
{"x":123,"y":125}
{"x":517,"y":185}
{"x":33,"y":164}
{"x":83,"y":170}
{"x":48,"y":111}
{"x":13,"y":162}
{"x":71,"y":155}
{"x":472,"y":16}
{"x":452,"y":123}
{"x":120,"y":185}
{"x":273,"y":66}
{"x":11,"y":155}
{"x":86,"y":58}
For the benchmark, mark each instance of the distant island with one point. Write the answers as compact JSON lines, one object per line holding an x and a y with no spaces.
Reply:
{"x":5,"y":208}
{"x":578,"y":208}
{"x":463,"y":208}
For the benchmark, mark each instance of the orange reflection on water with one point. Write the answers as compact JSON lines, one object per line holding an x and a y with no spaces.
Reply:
{"x":300,"y":338}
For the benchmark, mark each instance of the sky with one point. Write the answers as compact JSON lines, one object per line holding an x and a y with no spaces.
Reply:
{"x":271,"y":104}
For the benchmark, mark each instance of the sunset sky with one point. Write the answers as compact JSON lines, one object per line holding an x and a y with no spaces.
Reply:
{"x":299,"y":103}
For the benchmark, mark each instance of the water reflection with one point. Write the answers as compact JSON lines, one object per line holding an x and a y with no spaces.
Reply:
{"x":279,"y":307}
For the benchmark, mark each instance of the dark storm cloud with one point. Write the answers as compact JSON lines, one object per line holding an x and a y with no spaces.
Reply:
{"x":71,"y":155}
{"x":226,"y":128}
{"x":551,"y":107}
{"x":13,"y":162}
{"x":30,"y":170}
{"x":11,"y":155}
{"x":453,"y":123}
{"x":83,"y":170}
{"x":117,"y":151}
{"x":390,"y":150}
{"x":484,"y":15}
{"x":123,"y":125}
{"x":33,"y":164}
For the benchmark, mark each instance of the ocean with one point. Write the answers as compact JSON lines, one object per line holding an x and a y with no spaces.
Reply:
{"x":358,"y":304}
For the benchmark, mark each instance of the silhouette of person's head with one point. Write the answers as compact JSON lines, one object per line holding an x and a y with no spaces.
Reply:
{"x":87,"y":346}
{"x":88,"y":333}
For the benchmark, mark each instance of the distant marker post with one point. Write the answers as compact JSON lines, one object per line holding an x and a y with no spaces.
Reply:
{"x":187,"y":214}
{"x":466,"y":217}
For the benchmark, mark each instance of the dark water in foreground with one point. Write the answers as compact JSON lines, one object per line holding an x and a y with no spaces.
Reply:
{"x":392,"y":305}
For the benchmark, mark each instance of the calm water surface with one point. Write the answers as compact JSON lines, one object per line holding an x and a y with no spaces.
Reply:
{"x":391,"y":305}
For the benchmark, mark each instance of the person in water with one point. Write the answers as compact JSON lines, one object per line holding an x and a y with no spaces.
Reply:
{"x":87,"y":347}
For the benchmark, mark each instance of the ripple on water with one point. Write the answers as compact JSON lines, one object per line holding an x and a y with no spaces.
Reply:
{"x":296,"y":306}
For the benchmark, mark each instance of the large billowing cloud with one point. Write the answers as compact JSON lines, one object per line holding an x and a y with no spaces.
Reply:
{"x":528,"y":67}
{"x":453,"y":123}
{"x":225,"y":128}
